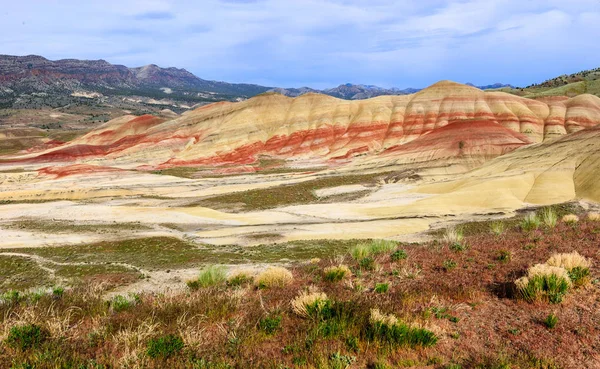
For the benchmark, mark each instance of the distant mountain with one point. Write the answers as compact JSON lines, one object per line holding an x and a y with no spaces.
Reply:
{"x":35,"y":74}
{"x":347,"y":91}
{"x":491,"y":87}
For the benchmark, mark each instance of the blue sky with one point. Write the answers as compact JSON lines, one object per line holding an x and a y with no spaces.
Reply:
{"x":318,"y":43}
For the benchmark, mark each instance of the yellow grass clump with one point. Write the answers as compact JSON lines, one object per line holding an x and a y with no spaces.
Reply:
{"x":308,"y":303}
{"x":384,"y":319}
{"x":570,"y":218}
{"x":569,"y":261}
{"x":274,"y":277}
{"x":594,"y":217}
{"x":337,"y":272}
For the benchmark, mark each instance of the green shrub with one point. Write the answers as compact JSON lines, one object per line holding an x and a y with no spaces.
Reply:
{"x":381,"y":287}
{"x":120,"y":303}
{"x":398,"y":255}
{"x":504,"y":256}
{"x":367,"y":263}
{"x":551,"y":321}
{"x":211,"y":275}
{"x":401,"y":334}
{"x":530,"y":222}
{"x":336,"y":273}
{"x":458,"y":247}
{"x":549,"y":217}
{"x":11,"y":297}
{"x":58,"y":291}
{"x":270,"y":324}
{"x":164,"y":347}
{"x":454,"y":235}
{"x":449,"y":264}
{"x":497,"y":228}
{"x":239,"y":279}
{"x":544,"y":282}
{"x":375,"y":247}
{"x":27,"y":336}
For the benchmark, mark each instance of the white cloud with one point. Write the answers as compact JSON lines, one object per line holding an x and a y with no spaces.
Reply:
{"x":287,"y":43}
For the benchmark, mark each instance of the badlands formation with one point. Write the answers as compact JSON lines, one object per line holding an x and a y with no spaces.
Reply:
{"x":385,"y":167}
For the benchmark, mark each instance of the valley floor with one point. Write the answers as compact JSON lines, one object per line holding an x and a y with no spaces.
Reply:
{"x":455,"y":300}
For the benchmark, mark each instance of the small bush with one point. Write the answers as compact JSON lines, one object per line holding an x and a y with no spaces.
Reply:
{"x":570,"y":219}
{"x":382,"y":287}
{"x":359,"y":252}
{"x":549,"y":217}
{"x":458,"y":247}
{"x":58,"y":291}
{"x":270,"y":324}
{"x":373,"y":248}
{"x":454,"y":235}
{"x":497,"y":228}
{"x":530,"y":222}
{"x":27,"y":336}
{"x":336,"y":273}
{"x":544,"y":282}
{"x":367,"y":263}
{"x":211,"y":275}
{"x":593,"y":217}
{"x":577,"y":266}
{"x":165,"y":346}
{"x":273,"y":277}
{"x":120,"y":303}
{"x":11,"y":297}
{"x":310,"y":304}
{"x":504,"y":256}
{"x":239,"y":278}
{"x":387,"y":328}
{"x":551,"y":321}
{"x":339,"y":361}
{"x":449,"y":264}
{"x":398,"y":255}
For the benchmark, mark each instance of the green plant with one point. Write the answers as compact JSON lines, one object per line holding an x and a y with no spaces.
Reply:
{"x":367,"y":263}
{"x":270,"y":324}
{"x":119,"y":303}
{"x":381,"y":287}
{"x":449,"y":264}
{"x":352,"y":344}
{"x":359,"y":252}
{"x":164,"y":347}
{"x":530,"y":222}
{"x":497,"y":228}
{"x":311,"y":304}
{"x":387,"y":328}
{"x":336,"y":273}
{"x":339,"y":361}
{"x":458,"y":247}
{"x":398,"y":255}
{"x":239,"y":279}
{"x":544,"y":282}
{"x":375,"y":247}
{"x":26,"y":336}
{"x":551,"y":321}
{"x":211,"y":275}
{"x":58,"y":291}
{"x":11,"y":297}
{"x":504,"y":256}
{"x":454,"y":235}
{"x":549,"y":217}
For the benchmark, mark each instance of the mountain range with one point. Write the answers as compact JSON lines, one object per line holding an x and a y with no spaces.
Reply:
{"x":21,"y":76}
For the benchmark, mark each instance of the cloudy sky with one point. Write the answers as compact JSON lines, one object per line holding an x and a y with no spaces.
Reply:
{"x":318,"y":43}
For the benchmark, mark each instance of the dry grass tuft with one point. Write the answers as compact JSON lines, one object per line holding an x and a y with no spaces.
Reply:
{"x":569,"y":261}
{"x":570,"y":218}
{"x":274,"y":277}
{"x":453,"y":235}
{"x":594,"y":217}
{"x":378,"y":317}
{"x":308,"y":303}
{"x":337,"y":273}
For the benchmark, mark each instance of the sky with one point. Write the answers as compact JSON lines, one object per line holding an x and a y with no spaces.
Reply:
{"x":317,"y":43}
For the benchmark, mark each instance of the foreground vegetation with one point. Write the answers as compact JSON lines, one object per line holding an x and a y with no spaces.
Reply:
{"x":465,"y":300}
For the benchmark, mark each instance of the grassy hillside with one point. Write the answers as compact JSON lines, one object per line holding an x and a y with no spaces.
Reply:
{"x":584,"y":82}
